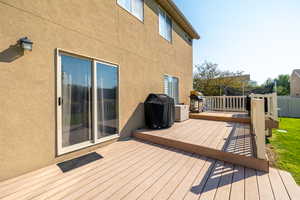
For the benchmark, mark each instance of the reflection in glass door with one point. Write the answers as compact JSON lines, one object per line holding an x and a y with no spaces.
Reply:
{"x":76,"y":100}
{"x":107,"y":87}
{"x":87,"y":111}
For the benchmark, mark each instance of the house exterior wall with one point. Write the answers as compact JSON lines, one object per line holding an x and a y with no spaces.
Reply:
{"x":295,"y":84}
{"x":99,"y":29}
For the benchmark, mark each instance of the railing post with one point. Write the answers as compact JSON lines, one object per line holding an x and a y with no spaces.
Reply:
{"x":275,"y":106}
{"x":258,"y":123}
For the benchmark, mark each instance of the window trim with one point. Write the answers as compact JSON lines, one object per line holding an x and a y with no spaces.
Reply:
{"x":166,"y":14}
{"x":131,"y":13}
{"x":168,"y":75}
{"x":60,"y":150}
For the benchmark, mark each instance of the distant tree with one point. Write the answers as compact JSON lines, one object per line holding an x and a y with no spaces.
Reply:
{"x":252,"y":83}
{"x":211,"y":81}
{"x":268,"y":82}
{"x":283,"y":84}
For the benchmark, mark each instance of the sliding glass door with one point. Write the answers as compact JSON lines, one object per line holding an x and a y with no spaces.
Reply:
{"x":87,"y":92}
{"x":76,"y":100}
{"x":107,"y":87}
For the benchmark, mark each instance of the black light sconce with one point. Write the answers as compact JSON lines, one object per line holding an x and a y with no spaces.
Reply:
{"x":26,"y":44}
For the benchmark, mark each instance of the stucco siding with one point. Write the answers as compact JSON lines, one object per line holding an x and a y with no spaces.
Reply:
{"x":295,"y":84}
{"x":94,"y":28}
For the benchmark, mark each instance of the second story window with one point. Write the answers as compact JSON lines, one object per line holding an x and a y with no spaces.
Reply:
{"x":165,"y":25}
{"x":135,"y":7}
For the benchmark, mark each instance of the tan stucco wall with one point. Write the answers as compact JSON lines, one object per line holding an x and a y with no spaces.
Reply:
{"x":295,"y":85}
{"x":95,"y":28}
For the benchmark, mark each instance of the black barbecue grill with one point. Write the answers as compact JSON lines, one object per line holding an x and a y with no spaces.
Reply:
{"x":159,"y":111}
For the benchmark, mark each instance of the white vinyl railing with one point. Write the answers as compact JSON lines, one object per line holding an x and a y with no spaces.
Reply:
{"x":226,"y":103}
{"x":258,"y":126}
{"x":272,"y":110}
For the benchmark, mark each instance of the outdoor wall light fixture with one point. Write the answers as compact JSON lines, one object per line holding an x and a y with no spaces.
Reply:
{"x":26,"y":44}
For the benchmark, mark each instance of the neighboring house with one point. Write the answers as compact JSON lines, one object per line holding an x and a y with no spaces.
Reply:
{"x":295,"y":83}
{"x":92,"y":65}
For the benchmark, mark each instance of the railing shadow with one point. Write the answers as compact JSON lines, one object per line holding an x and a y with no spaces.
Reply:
{"x":216,"y":175}
{"x":239,"y":144}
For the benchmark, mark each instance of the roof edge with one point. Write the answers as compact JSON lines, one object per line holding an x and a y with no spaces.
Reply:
{"x":297,"y":72}
{"x":179,"y":17}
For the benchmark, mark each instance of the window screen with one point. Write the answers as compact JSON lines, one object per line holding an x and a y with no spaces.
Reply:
{"x":171,"y":87}
{"x":135,"y":7}
{"x":165,"y":25}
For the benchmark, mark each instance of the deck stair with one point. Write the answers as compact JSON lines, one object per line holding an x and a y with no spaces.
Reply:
{"x":238,"y":117}
{"x":227,"y":140}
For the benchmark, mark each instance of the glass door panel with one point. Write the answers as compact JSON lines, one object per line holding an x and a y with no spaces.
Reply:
{"x":76,"y":100}
{"x":107,"y":100}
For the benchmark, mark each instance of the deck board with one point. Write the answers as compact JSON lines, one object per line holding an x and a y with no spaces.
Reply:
{"x":84,"y":186}
{"x":290,"y":184}
{"x":223,"y":191}
{"x":264,"y":186}
{"x":279,"y":189}
{"x":139,"y":170}
{"x":251,"y":185}
{"x":169,"y":188}
{"x":186,"y":183}
{"x":212,"y":184}
{"x":238,"y":183}
{"x":57,"y":184}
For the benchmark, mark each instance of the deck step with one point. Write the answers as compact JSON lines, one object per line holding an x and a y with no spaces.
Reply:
{"x":246,"y":161}
{"x":238,"y":118}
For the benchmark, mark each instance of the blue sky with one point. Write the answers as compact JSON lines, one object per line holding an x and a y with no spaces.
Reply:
{"x":259,"y":37}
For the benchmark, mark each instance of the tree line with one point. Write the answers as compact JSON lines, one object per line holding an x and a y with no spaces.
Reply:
{"x":212,"y":81}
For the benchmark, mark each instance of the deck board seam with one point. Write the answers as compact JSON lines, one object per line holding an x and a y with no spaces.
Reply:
{"x":57,"y":172}
{"x":90,"y":167}
{"x":176,"y":172}
{"x":197,"y":133}
{"x":233,"y":167}
{"x":96,"y":169}
{"x":207,"y":178}
{"x":284,"y":184}
{"x":259,"y":195}
{"x":205,"y":161}
{"x":209,"y":137}
{"x":173,"y":157}
{"x":143,"y":171}
{"x":125,"y":169}
{"x":194,"y":163}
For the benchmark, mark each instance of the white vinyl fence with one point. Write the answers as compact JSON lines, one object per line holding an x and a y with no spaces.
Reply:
{"x":289,"y":106}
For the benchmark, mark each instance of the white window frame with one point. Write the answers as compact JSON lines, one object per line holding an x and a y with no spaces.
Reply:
{"x":130,"y":10}
{"x":161,"y":33}
{"x":63,"y":150}
{"x":176,"y":99}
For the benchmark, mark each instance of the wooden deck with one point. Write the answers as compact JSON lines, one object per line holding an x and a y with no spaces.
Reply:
{"x":239,"y":117}
{"x":226,"y":141}
{"x":137,"y":170}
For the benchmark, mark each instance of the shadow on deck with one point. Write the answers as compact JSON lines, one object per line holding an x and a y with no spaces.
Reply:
{"x":222,"y":140}
{"x":134,"y":169}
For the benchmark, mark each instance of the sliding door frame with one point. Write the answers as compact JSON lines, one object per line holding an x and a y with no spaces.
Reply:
{"x":63,"y":150}
{"x":178,"y":86}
